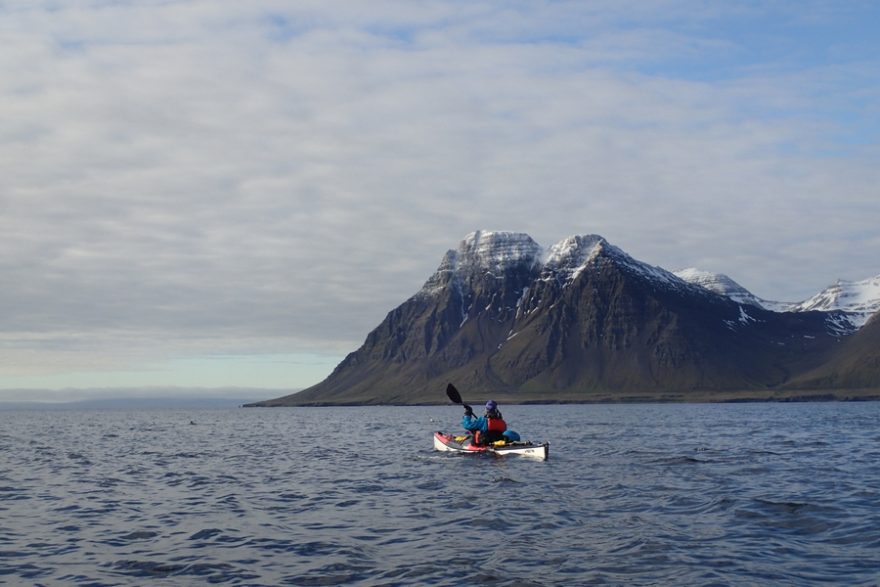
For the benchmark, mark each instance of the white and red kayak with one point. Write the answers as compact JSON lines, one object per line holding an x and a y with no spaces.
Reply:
{"x":450,"y":443}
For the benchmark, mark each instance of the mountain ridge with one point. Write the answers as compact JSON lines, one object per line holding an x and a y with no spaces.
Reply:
{"x":859,"y":299}
{"x":579,"y":321}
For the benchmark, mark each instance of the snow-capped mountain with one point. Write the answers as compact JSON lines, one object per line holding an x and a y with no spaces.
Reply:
{"x":724,"y":285}
{"x":859,"y":299}
{"x":580,"y":320}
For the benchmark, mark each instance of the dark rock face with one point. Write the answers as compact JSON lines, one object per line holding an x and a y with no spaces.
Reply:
{"x":585,"y":322}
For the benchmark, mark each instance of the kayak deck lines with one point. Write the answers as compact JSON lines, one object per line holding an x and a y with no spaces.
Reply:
{"x":461,"y":444}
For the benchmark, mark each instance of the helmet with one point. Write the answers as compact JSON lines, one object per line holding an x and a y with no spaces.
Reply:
{"x":491,"y":405}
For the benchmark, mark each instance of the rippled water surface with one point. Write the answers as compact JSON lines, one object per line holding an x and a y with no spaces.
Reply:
{"x":744,"y":494}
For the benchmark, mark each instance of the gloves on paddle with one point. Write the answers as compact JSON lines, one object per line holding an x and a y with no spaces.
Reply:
{"x":468,"y":411}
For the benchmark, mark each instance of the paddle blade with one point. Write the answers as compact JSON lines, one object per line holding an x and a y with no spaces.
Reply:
{"x":453,"y":394}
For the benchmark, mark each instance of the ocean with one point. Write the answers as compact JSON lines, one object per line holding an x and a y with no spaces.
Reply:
{"x":693,"y":494}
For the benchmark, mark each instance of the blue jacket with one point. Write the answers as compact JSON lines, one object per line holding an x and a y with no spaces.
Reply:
{"x":473,"y":423}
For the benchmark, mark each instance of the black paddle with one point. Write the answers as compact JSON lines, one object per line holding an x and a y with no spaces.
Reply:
{"x":455,"y":397}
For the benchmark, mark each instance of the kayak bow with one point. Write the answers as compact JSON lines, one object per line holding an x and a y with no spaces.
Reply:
{"x":462,"y":444}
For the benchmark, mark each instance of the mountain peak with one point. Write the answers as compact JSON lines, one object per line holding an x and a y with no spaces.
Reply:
{"x":484,"y":252}
{"x":720,"y":284}
{"x":571,"y":255}
{"x":486,"y":249}
{"x":859,"y":298}
{"x":573,"y":248}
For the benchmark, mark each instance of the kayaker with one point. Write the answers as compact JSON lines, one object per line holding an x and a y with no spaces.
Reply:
{"x":487,"y":428}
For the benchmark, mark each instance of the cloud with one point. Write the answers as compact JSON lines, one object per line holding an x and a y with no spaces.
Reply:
{"x":192,"y":178}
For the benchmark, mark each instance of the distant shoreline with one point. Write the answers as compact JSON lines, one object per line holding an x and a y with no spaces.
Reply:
{"x":801,"y":396}
{"x":199,"y":403}
{"x":122,"y":403}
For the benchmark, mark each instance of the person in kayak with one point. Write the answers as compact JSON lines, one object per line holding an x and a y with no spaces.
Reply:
{"x":487,"y":428}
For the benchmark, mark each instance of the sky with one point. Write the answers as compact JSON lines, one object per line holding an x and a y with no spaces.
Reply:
{"x":216,"y":193}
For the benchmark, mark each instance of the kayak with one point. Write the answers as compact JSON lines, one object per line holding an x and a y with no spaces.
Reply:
{"x":462,"y":444}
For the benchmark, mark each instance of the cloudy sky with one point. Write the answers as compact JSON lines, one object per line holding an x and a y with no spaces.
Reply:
{"x":210,"y":193}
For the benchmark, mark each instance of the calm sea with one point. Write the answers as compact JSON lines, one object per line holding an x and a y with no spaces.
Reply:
{"x":743,"y":494}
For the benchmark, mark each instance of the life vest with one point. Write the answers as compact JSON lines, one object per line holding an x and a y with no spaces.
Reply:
{"x":495,"y":428}
{"x":495,"y":425}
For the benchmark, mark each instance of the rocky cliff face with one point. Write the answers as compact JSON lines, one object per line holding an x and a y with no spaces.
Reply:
{"x":582,"y":321}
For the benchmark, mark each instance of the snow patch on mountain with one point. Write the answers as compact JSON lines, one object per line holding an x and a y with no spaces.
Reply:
{"x":744,"y":317}
{"x":841,"y":324}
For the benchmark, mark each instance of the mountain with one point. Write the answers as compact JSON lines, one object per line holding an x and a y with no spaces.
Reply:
{"x":581,"y":321}
{"x":861,"y":299}
{"x":858,"y":300}
{"x":724,"y":285}
{"x":461,"y":313}
{"x":854,"y":365}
